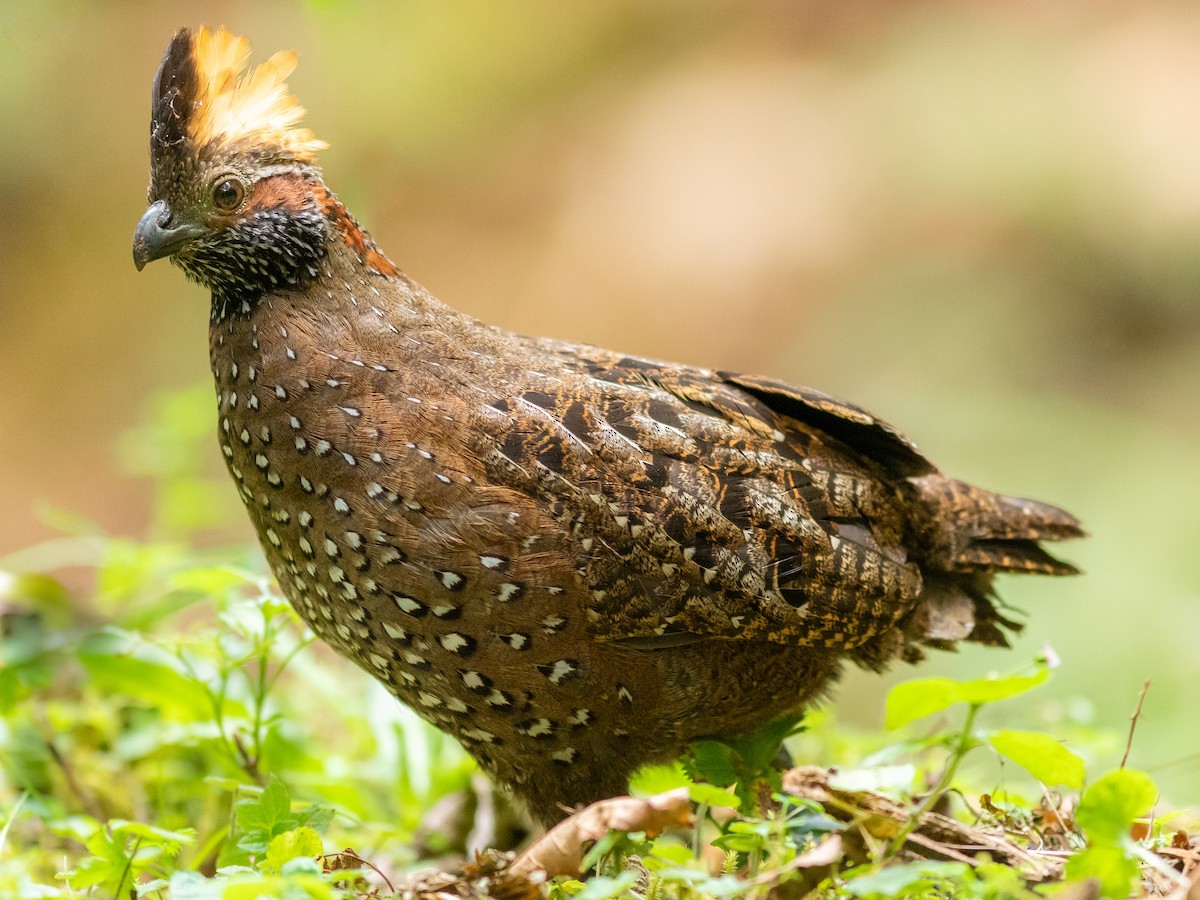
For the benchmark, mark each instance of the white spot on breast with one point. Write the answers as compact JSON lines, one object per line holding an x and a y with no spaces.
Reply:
{"x":473,"y":680}
{"x":322,"y":447}
{"x":351,"y":411}
{"x":408,"y":604}
{"x":273,"y":537}
{"x":507,"y":591}
{"x":349,"y":459}
{"x":565,"y":756}
{"x":291,"y":354}
{"x":265,"y":434}
{"x":427,"y":699}
{"x":305,"y":518}
{"x":580,"y":717}
{"x":624,"y":694}
{"x":379,"y":662}
{"x":294,"y":422}
{"x":301,"y":444}
{"x":453,"y":641}
{"x":491,"y":562}
{"x":450,"y":580}
{"x":456,"y":705}
{"x":341,"y":505}
{"x":560,"y":670}
{"x":395,"y":631}
{"x":280,"y":392}
{"x":336,"y":574}
{"x":244,"y":436}
{"x":261,"y":461}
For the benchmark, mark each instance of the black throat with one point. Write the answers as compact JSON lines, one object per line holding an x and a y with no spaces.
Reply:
{"x":273,"y":251}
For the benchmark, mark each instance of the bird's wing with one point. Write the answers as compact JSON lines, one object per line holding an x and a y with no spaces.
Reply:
{"x":702,"y":511}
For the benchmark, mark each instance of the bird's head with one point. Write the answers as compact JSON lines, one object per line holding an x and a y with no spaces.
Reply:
{"x":236,"y":199}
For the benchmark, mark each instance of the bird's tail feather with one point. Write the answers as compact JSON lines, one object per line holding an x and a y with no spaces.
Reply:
{"x":974,"y":530}
{"x":970,"y":534}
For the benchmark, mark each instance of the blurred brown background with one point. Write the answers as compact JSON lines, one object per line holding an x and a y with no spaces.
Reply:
{"x":981,"y":220}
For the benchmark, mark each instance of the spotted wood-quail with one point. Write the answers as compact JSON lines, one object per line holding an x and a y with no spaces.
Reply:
{"x":573,"y":561}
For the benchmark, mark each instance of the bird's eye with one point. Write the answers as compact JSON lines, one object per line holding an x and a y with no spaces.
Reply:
{"x":228,"y":194}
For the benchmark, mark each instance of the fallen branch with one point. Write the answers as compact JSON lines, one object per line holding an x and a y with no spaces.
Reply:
{"x":934,"y":835}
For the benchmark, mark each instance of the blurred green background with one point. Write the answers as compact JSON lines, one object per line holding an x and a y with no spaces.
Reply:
{"x":981,"y":220}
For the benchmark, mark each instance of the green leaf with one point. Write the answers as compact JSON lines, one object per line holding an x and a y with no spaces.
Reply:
{"x":713,"y":796}
{"x":601,"y":887}
{"x":1113,"y":868}
{"x":918,"y":698}
{"x":759,"y":748}
{"x":649,"y":780}
{"x":299,"y":842}
{"x":152,"y":833}
{"x":275,"y":802}
{"x":714,"y":762}
{"x":153,"y":682}
{"x":989,"y":690}
{"x":896,"y":881}
{"x":188,"y":885}
{"x":1108,"y":808}
{"x":1041,"y":756}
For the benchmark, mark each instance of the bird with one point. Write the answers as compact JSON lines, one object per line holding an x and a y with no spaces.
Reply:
{"x":574,"y":561}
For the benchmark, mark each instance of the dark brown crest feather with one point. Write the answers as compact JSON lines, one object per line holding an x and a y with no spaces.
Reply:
{"x":175,"y":88}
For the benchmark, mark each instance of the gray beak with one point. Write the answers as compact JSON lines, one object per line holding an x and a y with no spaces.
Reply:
{"x":156,"y":237}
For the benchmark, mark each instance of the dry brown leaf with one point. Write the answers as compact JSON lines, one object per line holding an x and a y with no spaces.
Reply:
{"x":560,"y":851}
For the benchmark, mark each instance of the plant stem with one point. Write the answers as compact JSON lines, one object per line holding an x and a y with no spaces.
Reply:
{"x":965,"y":738}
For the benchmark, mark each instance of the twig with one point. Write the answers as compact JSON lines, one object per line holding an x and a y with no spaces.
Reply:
{"x":348,"y":852}
{"x":1133,"y":720}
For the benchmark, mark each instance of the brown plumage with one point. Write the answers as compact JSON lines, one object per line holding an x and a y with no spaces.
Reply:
{"x":573,"y":561}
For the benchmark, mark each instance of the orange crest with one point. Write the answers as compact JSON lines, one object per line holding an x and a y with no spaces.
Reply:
{"x":232,"y":106}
